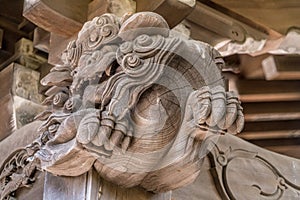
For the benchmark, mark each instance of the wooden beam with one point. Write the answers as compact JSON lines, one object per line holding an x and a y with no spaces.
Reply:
{"x":277,"y":15}
{"x":251,"y":67}
{"x":271,"y":111}
{"x":63,"y":17}
{"x":11,"y":26}
{"x":41,"y":39}
{"x":278,"y":142}
{"x":266,"y":130}
{"x":263,"y":135}
{"x":261,"y":126}
{"x":25,"y":55}
{"x":282,"y":67}
{"x":19,"y":98}
{"x":97,"y":8}
{"x":261,"y":90}
{"x":11,"y":34}
{"x":201,"y":33}
{"x":57,"y":45}
{"x":288,"y":150}
{"x":224,"y":25}
{"x":174,"y":11}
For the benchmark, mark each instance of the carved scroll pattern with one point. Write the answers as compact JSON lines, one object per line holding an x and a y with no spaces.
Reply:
{"x":242,"y":174}
{"x":19,"y":170}
{"x":135,"y":103}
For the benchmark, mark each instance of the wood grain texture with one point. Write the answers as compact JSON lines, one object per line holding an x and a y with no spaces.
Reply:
{"x":167,"y":8}
{"x":146,"y":109}
{"x":50,"y":15}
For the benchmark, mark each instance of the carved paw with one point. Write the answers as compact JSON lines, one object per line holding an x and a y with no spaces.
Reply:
{"x":216,"y":109}
{"x":105,"y":131}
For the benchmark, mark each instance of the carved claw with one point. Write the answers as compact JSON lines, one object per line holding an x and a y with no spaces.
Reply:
{"x":216,"y":109}
{"x":88,"y":128}
{"x":238,"y":125}
{"x":203,"y":102}
{"x":218,"y":105}
{"x":106,"y":131}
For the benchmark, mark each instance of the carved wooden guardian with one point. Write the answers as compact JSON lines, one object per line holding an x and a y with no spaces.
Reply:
{"x":139,"y":104}
{"x":144,"y":108}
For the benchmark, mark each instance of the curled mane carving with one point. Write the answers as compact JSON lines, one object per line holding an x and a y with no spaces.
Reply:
{"x":135,"y":103}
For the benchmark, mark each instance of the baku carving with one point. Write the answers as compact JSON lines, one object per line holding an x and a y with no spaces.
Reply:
{"x":136,"y":103}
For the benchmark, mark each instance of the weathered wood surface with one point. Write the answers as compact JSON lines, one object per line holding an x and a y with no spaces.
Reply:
{"x":41,"y":39}
{"x":272,"y":111}
{"x":57,"y":46}
{"x":278,"y":15}
{"x":13,"y":27}
{"x":20,"y":100}
{"x":25,"y":55}
{"x":281,"y":67}
{"x":224,"y":25}
{"x":144,"y":108}
{"x":110,"y":191}
{"x":258,"y":173}
{"x":85,"y":186}
{"x":35,"y":191}
{"x":19,"y":139}
{"x":50,"y":15}
{"x":168,"y":8}
{"x":264,"y":91}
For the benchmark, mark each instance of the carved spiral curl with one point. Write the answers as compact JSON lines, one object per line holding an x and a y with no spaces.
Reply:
{"x":107,"y":30}
{"x":147,"y":46}
{"x":105,"y":19}
{"x":100,"y":30}
{"x":126,"y":48}
{"x":72,"y":104}
{"x":60,"y":98}
{"x":72,"y":54}
{"x":53,"y":128}
{"x":130,"y":61}
{"x":98,"y":36}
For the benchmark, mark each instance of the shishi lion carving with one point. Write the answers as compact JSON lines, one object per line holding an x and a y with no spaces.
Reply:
{"x":136,"y":103}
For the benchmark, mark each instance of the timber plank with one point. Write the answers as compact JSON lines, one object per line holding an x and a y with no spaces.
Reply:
{"x":61,"y":17}
{"x":269,"y":111}
{"x":168,"y":8}
{"x":261,"y":90}
{"x":282,"y":67}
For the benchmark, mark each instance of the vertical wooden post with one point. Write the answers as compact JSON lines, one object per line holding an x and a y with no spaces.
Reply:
{"x":90,"y":186}
{"x":81,"y":187}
